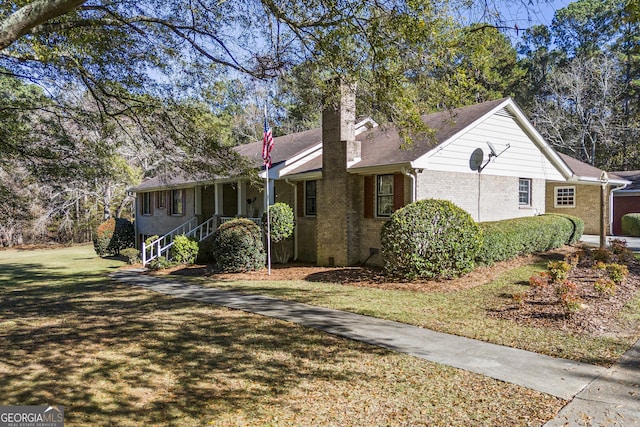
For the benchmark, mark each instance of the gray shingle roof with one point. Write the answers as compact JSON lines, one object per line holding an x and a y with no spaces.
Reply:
{"x":173,"y":179}
{"x":284,"y":147}
{"x":585,"y":170}
{"x":633,"y":176}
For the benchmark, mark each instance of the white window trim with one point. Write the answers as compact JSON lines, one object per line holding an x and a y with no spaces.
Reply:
{"x":555,"y":196}
{"x":530,"y":193}
{"x":375,"y":194}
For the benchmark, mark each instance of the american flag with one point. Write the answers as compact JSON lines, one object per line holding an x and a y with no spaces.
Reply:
{"x":267,"y":144}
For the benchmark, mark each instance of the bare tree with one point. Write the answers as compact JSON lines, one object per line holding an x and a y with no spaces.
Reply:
{"x":579,"y":112}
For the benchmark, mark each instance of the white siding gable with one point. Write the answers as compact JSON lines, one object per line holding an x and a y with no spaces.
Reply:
{"x":524,"y":158}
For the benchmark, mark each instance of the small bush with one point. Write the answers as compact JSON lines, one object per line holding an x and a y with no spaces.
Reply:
{"x":541,"y":280}
{"x":151,"y":239}
{"x":184,"y":249}
{"x":112,"y":236}
{"x":599,"y":265}
{"x":282,"y":224}
{"x":631,"y":224}
{"x":237,"y":246}
{"x":617,"y":272}
{"x":621,"y":251}
{"x":430,"y":239}
{"x":160,"y":263}
{"x":605,"y":286}
{"x":132,"y":255}
{"x":602,"y":255}
{"x":566,"y":287}
{"x":510,"y":238}
{"x":519,"y":298}
{"x":558,"y":270}
{"x":571,"y":303}
{"x":567,"y":292}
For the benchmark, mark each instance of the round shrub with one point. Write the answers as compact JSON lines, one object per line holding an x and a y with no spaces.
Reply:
{"x":237,"y":246}
{"x":112,"y":236}
{"x":184,"y":249}
{"x":282,"y":223}
{"x":205,"y":251}
{"x":131,"y":254}
{"x":631,"y":224}
{"x":430,"y":239}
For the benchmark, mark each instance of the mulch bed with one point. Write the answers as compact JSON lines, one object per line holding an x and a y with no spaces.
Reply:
{"x":360,"y":276}
{"x":599,"y":312}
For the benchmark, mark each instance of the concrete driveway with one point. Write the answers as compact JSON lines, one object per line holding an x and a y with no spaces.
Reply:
{"x":632,"y":242}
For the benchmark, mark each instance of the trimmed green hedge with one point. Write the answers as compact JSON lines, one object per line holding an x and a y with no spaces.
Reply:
{"x":631,"y":225}
{"x":510,"y":238}
{"x":430,"y":239}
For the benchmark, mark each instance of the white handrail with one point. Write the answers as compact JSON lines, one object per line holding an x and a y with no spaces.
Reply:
{"x":161,"y":245}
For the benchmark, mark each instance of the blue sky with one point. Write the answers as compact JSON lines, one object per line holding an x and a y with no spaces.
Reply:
{"x":513,"y":13}
{"x":525,"y":16}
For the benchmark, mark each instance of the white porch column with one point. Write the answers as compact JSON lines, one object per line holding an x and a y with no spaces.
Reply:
{"x":218,"y":199}
{"x":242,"y":198}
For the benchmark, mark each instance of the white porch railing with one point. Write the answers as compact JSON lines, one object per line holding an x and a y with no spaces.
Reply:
{"x":162,"y":245}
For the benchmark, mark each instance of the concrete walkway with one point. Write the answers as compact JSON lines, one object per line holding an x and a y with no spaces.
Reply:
{"x":600,"y":392}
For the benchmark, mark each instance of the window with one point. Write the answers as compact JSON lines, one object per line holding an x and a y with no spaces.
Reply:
{"x":160,"y":199}
{"x":524,"y":192}
{"x":310,"y":198}
{"x":565,"y":197}
{"x":146,"y":203}
{"x":177,"y":202}
{"x":384,"y":195}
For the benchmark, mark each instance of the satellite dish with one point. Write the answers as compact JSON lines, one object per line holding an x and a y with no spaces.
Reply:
{"x":494,"y":152}
{"x":493,"y":149}
{"x":476,"y":160}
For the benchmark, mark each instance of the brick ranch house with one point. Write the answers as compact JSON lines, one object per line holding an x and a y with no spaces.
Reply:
{"x":346,"y":178}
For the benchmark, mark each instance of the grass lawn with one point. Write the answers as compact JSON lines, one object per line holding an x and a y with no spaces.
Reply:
{"x":464,"y":312}
{"x":117,"y":355}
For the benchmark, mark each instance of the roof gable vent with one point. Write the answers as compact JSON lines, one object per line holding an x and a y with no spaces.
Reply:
{"x":504,"y":113}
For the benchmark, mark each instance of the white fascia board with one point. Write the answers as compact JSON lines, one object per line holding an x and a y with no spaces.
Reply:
{"x":588,"y":180}
{"x":300,"y":161}
{"x":382,"y":169}
{"x":305,"y":176}
{"x":303,"y":154}
{"x":542,"y":145}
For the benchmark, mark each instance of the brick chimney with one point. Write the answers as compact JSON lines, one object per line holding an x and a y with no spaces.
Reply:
{"x":337,"y":214}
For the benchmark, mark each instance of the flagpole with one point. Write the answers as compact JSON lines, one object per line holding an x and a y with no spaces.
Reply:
{"x":268,"y":201}
{"x":268,"y":224}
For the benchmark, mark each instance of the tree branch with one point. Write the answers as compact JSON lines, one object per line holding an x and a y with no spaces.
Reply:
{"x":33,"y":14}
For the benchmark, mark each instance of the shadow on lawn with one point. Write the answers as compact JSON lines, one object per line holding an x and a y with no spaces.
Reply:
{"x":115,"y":355}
